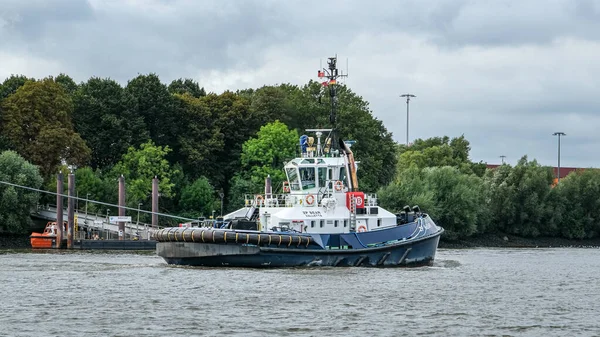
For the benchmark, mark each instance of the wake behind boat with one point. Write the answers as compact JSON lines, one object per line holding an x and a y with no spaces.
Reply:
{"x":320,"y":219}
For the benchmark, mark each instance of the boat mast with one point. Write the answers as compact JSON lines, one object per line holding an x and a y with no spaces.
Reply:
{"x":332,"y":74}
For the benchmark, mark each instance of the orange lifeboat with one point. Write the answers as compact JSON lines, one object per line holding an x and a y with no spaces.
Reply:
{"x":47,"y":239}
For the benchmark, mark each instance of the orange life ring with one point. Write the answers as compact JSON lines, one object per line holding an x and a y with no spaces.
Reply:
{"x":286,"y":186}
{"x":362,"y":228}
{"x":310,"y":199}
{"x":339,"y":185}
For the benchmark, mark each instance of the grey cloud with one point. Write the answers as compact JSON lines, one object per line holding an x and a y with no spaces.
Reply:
{"x":506,"y":74}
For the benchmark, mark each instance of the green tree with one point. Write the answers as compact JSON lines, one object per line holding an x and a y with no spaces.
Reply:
{"x":12,"y":84}
{"x":235,"y":123}
{"x":139,"y":167}
{"x":107,"y":120}
{"x":574,"y":206}
{"x":189,"y":86}
{"x":265,"y":155}
{"x":519,"y":198}
{"x":153,"y":102}
{"x":198,"y":199}
{"x":16,"y":203}
{"x":438,"y":152}
{"x":454,"y":200}
{"x":66,"y":82}
{"x":37,"y":123}
{"x":198,"y":139}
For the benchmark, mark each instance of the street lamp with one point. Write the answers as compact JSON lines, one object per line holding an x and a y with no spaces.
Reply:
{"x":138,"y":217}
{"x":558,"y":172}
{"x":108,"y":221}
{"x":408,"y":96}
{"x":87,"y":196}
{"x":502,"y":157}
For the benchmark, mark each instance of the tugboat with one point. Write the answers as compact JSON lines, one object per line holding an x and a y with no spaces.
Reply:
{"x":48,"y":238}
{"x":320,"y":219}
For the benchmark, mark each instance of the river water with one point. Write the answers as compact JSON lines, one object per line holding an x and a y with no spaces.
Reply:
{"x":472,"y":292}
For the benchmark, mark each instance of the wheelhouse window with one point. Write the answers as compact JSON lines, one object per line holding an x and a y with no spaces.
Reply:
{"x":322,"y":173}
{"x":292,"y":174}
{"x":307,"y":177}
{"x":343,"y":175}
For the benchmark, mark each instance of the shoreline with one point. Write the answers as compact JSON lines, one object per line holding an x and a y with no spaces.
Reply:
{"x":501,"y":240}
{"x":489,"y":240}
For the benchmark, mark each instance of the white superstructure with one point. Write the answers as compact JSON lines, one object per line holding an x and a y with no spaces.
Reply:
{"x":319,"y":196}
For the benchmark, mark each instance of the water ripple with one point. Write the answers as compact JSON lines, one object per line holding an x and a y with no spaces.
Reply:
{"x":478,"y":292}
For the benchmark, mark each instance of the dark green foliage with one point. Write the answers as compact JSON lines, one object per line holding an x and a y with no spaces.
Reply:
{"x":518,"y":198}
{"x":107,"y":119}
{"x":37,"y":121}
{"x":574,"y":208}
{"x":154,"y":104}
{"x":66,"y":82}
{"x":216,"y":142}
{"x":454,"y":200}
{"x":16,"y":203}
{"x":12,"y":84}
{"x":199,"y":139}
{"x":187,"y":86}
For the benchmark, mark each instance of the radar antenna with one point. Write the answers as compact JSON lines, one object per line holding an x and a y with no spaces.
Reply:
{"x":331,"y":75}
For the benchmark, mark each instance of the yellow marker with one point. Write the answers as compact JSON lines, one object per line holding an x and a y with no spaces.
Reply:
{"x":225,"y":237}
{"x":202,"y":236}
{"x":290,"y":243}
{"x":193,"y":232}
{"x":258,"y":242}
{"x":269,"y":239}
{"x":247,"y":238}
{"x":236,"y":237}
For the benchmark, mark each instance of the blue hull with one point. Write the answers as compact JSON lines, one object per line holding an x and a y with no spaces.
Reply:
{"x":409,"y":253}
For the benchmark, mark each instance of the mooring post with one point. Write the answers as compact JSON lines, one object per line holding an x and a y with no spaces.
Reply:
{"x":71,"y":210}
{"x":155,"y":202}
{"x":59,"y":210}
{"x":121,"y":206}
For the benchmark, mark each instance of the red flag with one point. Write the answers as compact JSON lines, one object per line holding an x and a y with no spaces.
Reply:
{"x":325,"y":83}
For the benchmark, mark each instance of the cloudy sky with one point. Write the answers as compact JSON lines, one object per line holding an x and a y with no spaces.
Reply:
{"x":506,"y":74}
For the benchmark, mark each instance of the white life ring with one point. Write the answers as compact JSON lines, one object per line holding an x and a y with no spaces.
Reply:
{"x":310,"y":199}
{"x":338,"y":185}
{"x":362,"y":228}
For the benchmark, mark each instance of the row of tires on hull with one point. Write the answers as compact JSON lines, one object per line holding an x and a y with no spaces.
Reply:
{"x":207,"y":235}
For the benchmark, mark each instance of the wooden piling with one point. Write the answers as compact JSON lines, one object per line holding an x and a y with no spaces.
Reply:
{"x":71,"y":210}
{"x":121,"y":206}
{"x":59,"y":209}
{"x":155,"y":202}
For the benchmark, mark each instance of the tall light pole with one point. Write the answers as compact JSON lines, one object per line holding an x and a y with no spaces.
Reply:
{"x":137,"y":224}
{"x":408,"y":96}
{"x":107,"y":220}
{"x":558,"y":171}
{"x":87,"y":196}
{"x":502,"y":157}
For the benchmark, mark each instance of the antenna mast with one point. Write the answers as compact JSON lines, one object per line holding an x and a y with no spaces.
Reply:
{"x":331,"y":75}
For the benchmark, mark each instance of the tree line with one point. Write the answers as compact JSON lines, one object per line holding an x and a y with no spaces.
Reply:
{"x":203,"y":146}
{"x":467,"y":199}
{"x":193,"y":141}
